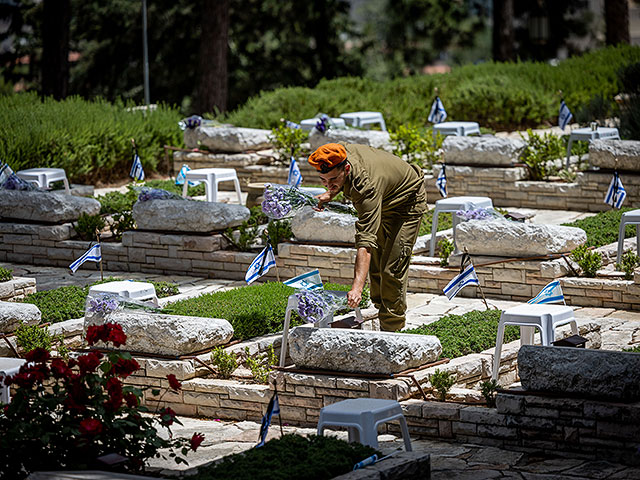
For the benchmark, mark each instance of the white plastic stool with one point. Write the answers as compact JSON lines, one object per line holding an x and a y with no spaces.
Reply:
{"x":308,"y":123}
{"x":8,"y":368}
{"x":628,"y":218}
{"x":292,"y":304}
{"x":363,"y":119}
{"x":43,"y":177}
{"x":460,"y":129}
{"x":587,"y":134}
{"x":211,"y":177}
{"x":362,"y":416}
{"x":528,"y":316}
{"x":452,"y":205}
{"x":140,"y":291}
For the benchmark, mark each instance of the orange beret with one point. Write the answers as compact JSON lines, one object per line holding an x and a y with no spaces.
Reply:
{"x":327,"y":157}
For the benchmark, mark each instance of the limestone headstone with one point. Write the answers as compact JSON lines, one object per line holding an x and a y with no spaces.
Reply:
{"x":580,"y":371}
{"x":309,"y":225}
{"x":188,"y":216}
{"x":167,"y":334}
{"x":515,"y":239}
{"x":361,"y":351}
{"x":373,"y":138}
{"x":227,"y":139}
{"x":12,"y":315}
{"x":494,"y":151}
{"x":615,"y":154}
{"x":42,"y":206}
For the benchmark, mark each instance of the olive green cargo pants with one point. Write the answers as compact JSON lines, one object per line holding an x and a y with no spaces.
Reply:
{"x":389,"y":269}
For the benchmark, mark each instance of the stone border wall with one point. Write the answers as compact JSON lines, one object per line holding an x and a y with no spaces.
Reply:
{"x":17,"y":288}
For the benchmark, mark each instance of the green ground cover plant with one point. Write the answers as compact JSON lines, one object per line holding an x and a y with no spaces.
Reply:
{"x":442,"y":381}
{"x":87,"y":225}
{"x":589,"y":261}
{"x":290,"y":457}
{"x":91,"y":140}
{"x":602,"y":228}
{"x":489,"y":390}
{"x":225,"y":362}
{"x":628,"y":264}
{"x":500,"y":96}
{"x":472,"y":332}
{"x":446,"y":249}
{"x":288,"y":141}
{"x":445,"y":221}
{"x":416,"y":145}
{"x":6,"y":274}
{"x":252,"y":310}
{"x":539,"y":151}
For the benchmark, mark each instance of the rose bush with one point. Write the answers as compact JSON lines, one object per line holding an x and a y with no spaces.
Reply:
{"x":66,"y":414}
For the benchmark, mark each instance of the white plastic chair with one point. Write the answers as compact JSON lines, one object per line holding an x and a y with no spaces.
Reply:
{"x":292,"y":304}
{"x":460,"y":129}
{"x":528,"y":316}
{"x":588,"y":134}
{"x":43,"y":177}
{"x":212,"y":177}
{"x":364,"y":119}
{"x":140,"y":291}
{"x":628,"y":218}
{"x":362,"y":416}
{"x":452,"y":205}
{"x":309,"y":123}
{"x":8,"y":368}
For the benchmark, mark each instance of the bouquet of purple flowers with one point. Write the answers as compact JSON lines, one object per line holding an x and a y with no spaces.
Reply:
{"x":99,"y":305}
{"x":282,"y":201}
{"x":479,"y":214}
{"x":146,"y":194}
{"x":314,"y":305}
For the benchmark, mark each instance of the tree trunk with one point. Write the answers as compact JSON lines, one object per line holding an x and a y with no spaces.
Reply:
{"x":503,"y":37}
{"x":55,"y":48}
{"x":616,"y":16}
{"x":212,"y":57}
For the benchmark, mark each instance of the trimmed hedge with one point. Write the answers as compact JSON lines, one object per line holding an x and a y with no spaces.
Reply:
{"x":91,"y":140}
{"x":497,"y":95}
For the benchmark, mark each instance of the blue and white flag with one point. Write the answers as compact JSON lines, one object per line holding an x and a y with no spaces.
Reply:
{"x":467,"y":277}
{"x":261,"y":264}
{"x":441,"y":182}
{"x":136,"y":172}
{"x":551,"y":293}
{"x":272,"y":409}
{"x":616,"y":193}
{"x":182,"y":176}
{"x":94,"y":254}
{"x":295,"y":177}
{"x":564,"y":116}
{"x":307,"y":281}
{"x":438,"y":114}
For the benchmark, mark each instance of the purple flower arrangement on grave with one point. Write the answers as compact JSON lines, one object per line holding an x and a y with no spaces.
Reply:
{"x":146,"y":194}
{"x":14,"y":182}
{"x":478,"y":214}
{"x":282,"y":201}
{"x":102,"y":305}
{"x":322,"y":125}
{"x":314,"y":305}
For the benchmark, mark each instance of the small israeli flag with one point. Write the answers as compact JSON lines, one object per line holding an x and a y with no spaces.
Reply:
{"x":467,"y":277}
{"x":307,"y":281}
{"x":94,"y":254}
{"x":616,"y":193}
{"x":441,"y":182}
{"x":272,"y":409}
{"x":438,"y":114}
{"x":182,"y":175}
{"x":136,"y":172}
{"x":564,"y":116}
{"x":261,"y":264}
{"x":295,"y":177}
{"x":551,"y":293}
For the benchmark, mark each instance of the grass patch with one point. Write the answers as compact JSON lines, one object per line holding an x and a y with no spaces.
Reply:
{"x":602,"y":228}
{"x":445,"y":222}
{"x":472,"y":332}
{"x":290,"y":457}
{"x":252,"y":311}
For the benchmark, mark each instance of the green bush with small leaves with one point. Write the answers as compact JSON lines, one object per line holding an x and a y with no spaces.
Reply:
{"x":225,"y":362}
{"x":445,"y":222}
{"x":539,"y":151}
{"x":589,"y":260}
{"x":261,"y":363}
{"x":6,"y":274}
{"x":472,"y":332}
{"x":442,"y":381}
{"x":30,"y":337}
{"x":287,"y":141}
{"x":279,"y":231}
{"x":416,"y":145}
{"x":446,"y":248}
{"x":489,"y":390}
{"x":628,"y":264}
{"x":87,"y":225}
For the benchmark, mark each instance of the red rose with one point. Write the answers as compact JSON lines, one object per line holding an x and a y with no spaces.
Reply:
{"x":167,"y":416}
{"x":116,"y":335}
{"x":196,"y":440}
{"x":38,"y":372}
{"x":23,"y":379}
{"x":114,"y":387}
{"x":89,"y":362}
{"x":131,"y":399}
{"x":96,"y":333}
{"x":76,"y":397}
{"x":37,"y":355}
{"x":59,"y":368}
{"x":90,"y":427}
{"x":124,"y":367}
{"x":173,"y":382}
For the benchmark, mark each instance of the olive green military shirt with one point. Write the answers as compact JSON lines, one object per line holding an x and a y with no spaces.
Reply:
{"x":382,"y":187}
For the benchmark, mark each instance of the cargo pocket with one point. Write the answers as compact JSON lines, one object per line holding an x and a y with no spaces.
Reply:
{"x":401,"y":264}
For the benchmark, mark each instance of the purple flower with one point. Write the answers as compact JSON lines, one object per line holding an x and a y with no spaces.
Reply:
{"x":475,"y":214}
{"x":314,"y":305}
{"x":322,"y":125}
{"x":102,"y":305}
{"x":14,"y":182}
{"x":281,"y":201}
{"x":193,"y":121}
{"x":147,"y":193}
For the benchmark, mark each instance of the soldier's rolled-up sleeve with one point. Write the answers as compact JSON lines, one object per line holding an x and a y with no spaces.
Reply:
{"x":369,"y":215}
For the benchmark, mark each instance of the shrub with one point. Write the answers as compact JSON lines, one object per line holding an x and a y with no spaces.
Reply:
{"x":225,"y":362}
{"x":445,"y":221}
{"x":589,"y":260}
{"x":121,"y":222}
{"x":261,"y":363}
{"x":287,"y":141}
{"x":472,"y":332}
{"x":59,"y":304}
{"x":602,"y":228}
{"x":30,"y":337}
{"x":446,"y":249}
{"x":91,"y":140}
{"x":489,"y":389}
{"x":279,"y":231}
{"x":114,"y":202}
{"x":291,"y":457}
{"x":635,"y":349}
{"x":539,"y":151}
{"x":628,"y":264}
{"x":6,"y":274}
{"x":442,"y":381}
{"x":87,"y":225}
{"x":416,"y":146}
